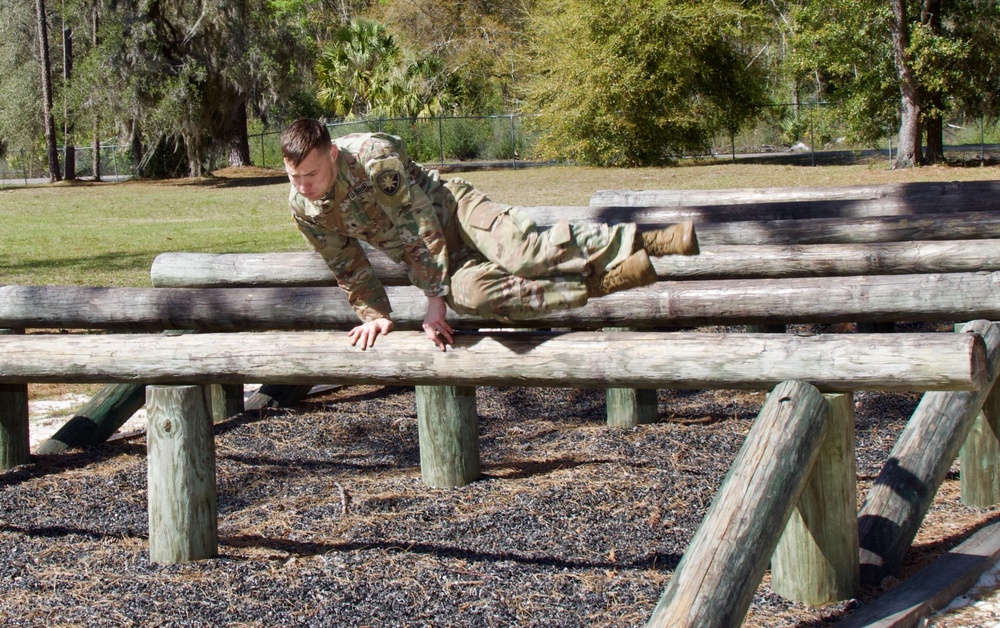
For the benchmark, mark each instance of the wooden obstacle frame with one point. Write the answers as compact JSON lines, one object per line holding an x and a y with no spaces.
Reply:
{"x":800,"y":450}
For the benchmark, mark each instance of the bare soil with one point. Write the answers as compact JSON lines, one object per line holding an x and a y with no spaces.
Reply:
{"x":324,"y":519}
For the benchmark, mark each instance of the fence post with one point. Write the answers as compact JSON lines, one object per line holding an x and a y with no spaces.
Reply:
{"x":448,"y":431}
{"x":183,"y":521}
{"x":440,"y":142}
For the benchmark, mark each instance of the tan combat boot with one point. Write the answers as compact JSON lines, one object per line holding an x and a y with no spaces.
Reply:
{"x":679,"y":239}
{"x":634,"y":272}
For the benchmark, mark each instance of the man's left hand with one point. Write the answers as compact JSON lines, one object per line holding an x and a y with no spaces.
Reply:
{"x":435,"y":325}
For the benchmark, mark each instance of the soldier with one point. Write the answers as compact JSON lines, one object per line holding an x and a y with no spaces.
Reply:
{"x":462,"y":249}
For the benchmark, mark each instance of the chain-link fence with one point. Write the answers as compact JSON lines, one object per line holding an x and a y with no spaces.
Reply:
{"x":32,"y":166}
{"x":808,"y":133}
{"x":468,"y":140}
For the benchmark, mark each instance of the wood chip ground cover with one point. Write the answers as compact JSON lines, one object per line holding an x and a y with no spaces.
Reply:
{"x":324,"y":520}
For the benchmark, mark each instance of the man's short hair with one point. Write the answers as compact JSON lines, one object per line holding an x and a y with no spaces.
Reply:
{"x":301,"y":137}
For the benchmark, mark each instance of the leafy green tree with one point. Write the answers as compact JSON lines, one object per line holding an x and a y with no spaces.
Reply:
{"x":183,"y":74}
{"x":639,"y":82}
{"x":45,"y":66}
{"x":478,"y":44}
{"x":362,"y":73}
{"x":907,"y":61}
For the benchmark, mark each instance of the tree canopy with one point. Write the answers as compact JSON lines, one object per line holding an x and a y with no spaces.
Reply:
{"x":625,"y":83}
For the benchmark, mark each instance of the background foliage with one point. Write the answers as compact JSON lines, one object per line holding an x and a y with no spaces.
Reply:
{"x":622,"y":83}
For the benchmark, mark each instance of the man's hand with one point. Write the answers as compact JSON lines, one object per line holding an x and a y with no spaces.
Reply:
{"x":435,"y":325}
{"x":366,"y":333}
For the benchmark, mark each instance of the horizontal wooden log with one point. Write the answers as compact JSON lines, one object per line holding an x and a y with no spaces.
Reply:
{"x":214,"y":270}
{"x":943,"y":194}
{"x":831,"y":362}
{"x":968,"y":226}
{"x":888,"y":298}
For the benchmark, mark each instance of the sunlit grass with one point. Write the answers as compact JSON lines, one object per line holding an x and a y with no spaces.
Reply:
{"x":109,"y":234}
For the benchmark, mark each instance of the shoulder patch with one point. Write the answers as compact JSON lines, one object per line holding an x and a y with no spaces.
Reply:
{"x":389,"y":181}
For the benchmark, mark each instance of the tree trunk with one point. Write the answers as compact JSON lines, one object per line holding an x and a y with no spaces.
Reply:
{"x":930,"y":16}
{"x":909,"y":154}
{"x":239,"y":143}
{"x":96,"y":153}
{"x":70,"y":157}
{"x":136,"y":146}
{"x":46,"y":68}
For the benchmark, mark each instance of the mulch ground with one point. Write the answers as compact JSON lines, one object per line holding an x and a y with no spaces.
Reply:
{"x":324,"y":519}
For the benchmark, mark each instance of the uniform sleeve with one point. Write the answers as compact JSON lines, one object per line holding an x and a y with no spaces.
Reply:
{"x":349,"y":264}
{"x":411,"y":211}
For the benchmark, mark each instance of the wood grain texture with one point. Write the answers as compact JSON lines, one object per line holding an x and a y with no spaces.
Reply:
{"x":716,"y":579}
{"x":213,"y":270}
{"x":919,"y":461}
{"x":816,"y":561}
{"x":183,"y":521}
{"x":887,"y":298}
{"x":832,"y":362}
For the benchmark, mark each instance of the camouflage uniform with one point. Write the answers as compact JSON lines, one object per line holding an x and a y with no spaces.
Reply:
{"x":483,"y":257}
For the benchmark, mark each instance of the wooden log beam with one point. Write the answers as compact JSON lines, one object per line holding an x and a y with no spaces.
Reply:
{"x":98,"y":419}
{"x":918,"y":193}
{"x":971,"y":225}
{"x":793,"y":223}
{"x":888,"y":298}
{"x":212,"y":270}
{"x":924,"y":452}
{"x":715,"y":581}
{"x":682,"y":360}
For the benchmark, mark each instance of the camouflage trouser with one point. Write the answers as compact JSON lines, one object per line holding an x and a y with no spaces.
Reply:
{"x":507,"y":269}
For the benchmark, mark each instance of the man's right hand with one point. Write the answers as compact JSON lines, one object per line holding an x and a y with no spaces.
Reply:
{"x":366,"y":333}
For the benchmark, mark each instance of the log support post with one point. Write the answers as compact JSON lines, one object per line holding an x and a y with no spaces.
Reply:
{"x":183,"y":521}
{"x":816,"y":561}
{"x":979,"y":459}
{"x":918,"y":463}
{"x":225,"y":400}
{"x":716,"y":579}
{"x":14,"y":441}
{"x":448,"y":431}
{"x":628,"y":407}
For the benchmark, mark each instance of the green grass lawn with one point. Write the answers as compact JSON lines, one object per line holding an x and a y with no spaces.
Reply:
{"x":109,"y":234}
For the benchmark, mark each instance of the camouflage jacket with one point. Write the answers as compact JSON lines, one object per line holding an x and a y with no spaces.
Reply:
{"x":377,"y":197}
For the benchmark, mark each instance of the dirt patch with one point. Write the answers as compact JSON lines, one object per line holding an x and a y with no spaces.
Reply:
{"x":324,"y":520}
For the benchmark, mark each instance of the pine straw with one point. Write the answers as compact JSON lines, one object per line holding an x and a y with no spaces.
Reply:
{"x":324,"y":520}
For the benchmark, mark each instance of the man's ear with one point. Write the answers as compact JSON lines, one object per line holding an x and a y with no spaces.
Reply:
{"x":334,"y":151}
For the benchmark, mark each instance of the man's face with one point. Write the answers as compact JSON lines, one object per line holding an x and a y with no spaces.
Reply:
{"x":314,"y":176}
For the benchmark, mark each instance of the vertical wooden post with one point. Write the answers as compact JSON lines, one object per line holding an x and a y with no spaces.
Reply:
{"x":905,"y":487}
{"x":448,"y":431}
{"x":715,"y":581}
{"x":979,"y":459}
{"x":183,"y":522}
{"x":225,"y":400}
{"x":816,"y":561}
{"x":14,"y":440}
{"x":628,"y":407}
